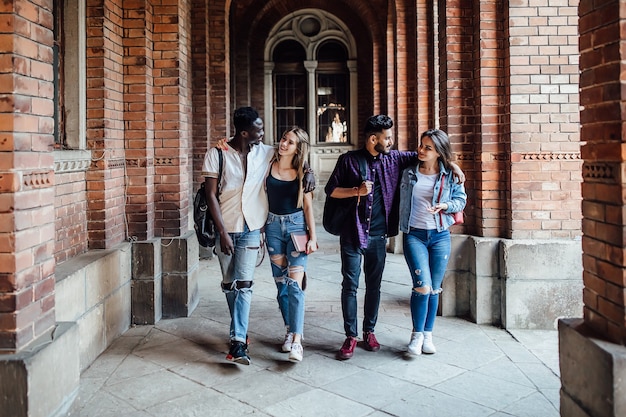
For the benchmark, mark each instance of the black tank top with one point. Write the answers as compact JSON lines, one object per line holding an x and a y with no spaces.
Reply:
{"x":282,"y":195}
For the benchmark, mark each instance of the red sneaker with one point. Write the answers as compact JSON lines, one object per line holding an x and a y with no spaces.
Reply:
{"x":370,"y":342}
{"x":347,"y":350}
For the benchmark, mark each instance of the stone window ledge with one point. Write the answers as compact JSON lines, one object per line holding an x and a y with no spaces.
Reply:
{"x":71,"y":161}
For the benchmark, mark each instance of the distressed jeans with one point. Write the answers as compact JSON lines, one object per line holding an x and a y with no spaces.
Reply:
{"x":427,"y":253}
{"x":289,"y":295}
{"x":237,"y":278}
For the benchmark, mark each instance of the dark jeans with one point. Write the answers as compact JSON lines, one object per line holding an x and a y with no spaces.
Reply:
{"x":373,"y":265}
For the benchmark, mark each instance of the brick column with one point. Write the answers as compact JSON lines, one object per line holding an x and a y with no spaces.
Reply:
{"x":458,"y":107}
{"x":200,"y":83}
{"x":406,"y":67}
{"x":26,"y":176}
{"x":425,"y":98}
{"x":594,"y":346}
{"x":139,"y":118}
{"x":105,"y":125}
{"x":488,"y":156}
{"x":172,"y":107}
{"x":219,"y":70}
{"x":604,"y":169}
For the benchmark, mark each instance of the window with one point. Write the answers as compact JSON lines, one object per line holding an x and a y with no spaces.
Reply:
{"x":58,"y":69}
{"x":311,"y":77}
{"x":290,"y":87}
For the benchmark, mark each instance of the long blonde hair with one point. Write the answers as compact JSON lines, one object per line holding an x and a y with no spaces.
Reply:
{"x":302,"y":155}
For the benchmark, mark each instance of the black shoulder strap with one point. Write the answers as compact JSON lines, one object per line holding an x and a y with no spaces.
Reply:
{"x":219,"y":172}
{"x":362,"y":165}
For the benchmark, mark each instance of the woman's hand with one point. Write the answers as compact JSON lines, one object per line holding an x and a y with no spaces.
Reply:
{"x":438,"y":207}
{"x":311,"y":246}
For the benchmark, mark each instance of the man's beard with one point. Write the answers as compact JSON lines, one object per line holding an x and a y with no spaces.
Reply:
{"x":381,"y":149}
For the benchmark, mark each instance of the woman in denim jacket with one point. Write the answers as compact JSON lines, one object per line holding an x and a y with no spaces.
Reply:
{"x":429,"y":195}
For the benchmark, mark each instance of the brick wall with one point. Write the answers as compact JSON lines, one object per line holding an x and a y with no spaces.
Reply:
{"x":70,"y":203}
{"x":545,"y":147}
{"x":26,"y":173}
{"x":602,"y":119}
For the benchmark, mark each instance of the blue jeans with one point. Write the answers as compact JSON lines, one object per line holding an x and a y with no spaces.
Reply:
{"x":373,"y":265}
{"x":237,"y":278}
{"x":427,"y":253}
{"x":280,"y":247}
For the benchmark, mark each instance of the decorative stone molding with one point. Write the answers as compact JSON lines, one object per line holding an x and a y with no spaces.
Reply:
{"x":115,"y":163}
{"x":71,"y":161}
{"x":598,"y":171}
{"x":550,"y":156}
{"x":331,"y":150}
{"x":34,"y":180}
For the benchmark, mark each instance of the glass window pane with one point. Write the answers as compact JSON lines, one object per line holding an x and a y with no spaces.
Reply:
{"x":290,"y":93}
{"x":332,"y":108}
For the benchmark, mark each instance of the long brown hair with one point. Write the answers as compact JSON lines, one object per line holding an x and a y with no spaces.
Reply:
{"x":302,"y":155}
{"x":442,"y":145}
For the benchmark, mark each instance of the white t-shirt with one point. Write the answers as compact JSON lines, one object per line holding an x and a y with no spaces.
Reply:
{"x":422,"y":199}
{"x":241,"y":201}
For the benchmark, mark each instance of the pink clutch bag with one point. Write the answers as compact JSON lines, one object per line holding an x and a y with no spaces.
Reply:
{"x":300,"y":239}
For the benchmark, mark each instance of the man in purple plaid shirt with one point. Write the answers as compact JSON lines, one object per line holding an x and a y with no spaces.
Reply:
{"x":365,"y":236}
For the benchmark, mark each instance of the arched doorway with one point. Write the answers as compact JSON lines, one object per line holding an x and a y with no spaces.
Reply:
{"x":311,"y":81}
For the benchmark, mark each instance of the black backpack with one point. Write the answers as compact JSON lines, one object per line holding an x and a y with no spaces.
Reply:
{"x":203,"y":222}
{"x":338,"y":211}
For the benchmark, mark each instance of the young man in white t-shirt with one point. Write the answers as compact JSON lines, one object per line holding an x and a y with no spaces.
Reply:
{"x":239,"y":215}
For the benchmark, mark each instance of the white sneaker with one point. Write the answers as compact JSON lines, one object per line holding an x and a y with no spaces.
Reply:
{"x":296,"y":352}
{"x":415,"y":345}
{"x":288,"y":342}
{"x":428,"y":346}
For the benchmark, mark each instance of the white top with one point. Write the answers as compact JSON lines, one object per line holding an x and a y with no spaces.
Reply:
{"x":422,"y":199}
{"x":242,"y":202}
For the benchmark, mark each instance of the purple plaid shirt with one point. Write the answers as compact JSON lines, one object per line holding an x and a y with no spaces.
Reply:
{"x":347,"y":174}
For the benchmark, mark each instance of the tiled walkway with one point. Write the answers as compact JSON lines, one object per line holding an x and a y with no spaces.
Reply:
{"x":177,"y":367}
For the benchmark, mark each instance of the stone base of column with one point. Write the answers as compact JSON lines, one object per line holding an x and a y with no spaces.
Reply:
{"x":146,"y":286}
{"x":181,"y":267}
{"x":593,"y":373}
{"x":42,"y":381}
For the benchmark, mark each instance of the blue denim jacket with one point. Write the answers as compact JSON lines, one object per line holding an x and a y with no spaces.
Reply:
{"x":453,"y":193}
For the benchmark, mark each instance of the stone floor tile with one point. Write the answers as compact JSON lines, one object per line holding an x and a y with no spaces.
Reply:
{"x":373,"y":388}
{"x":214,"y":371}
{"x":264,"y":388}
{"x":203,"y":403}
{"x":490,"y":392}
{"x":102,"y":404}
{"x":504,"y":369}
{"x":420,"y":370}
{"x":466,"y":356}
{"x":308,"y":404}
{"x":432,"y":403}
{"x":317,"y":370}
{"x":532,"y":406}
{"x":148,"y":390}
{"x":132,"y":367}
{"x":553,"y":395}
{"x":541,"y":376}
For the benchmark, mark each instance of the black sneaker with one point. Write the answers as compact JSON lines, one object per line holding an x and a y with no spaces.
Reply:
{"x":237,"y":353}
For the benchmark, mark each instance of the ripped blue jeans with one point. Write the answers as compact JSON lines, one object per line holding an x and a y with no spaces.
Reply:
{"x":237,"y":278}
{"x":427,"y":253}
{"x":284,"y":260}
